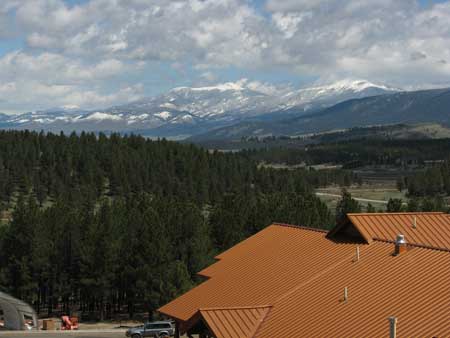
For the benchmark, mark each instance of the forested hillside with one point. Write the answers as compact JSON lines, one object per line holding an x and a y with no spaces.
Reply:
{"x":434,"y":181}
{"x":353,"y":153}
{"x":106,"y":225}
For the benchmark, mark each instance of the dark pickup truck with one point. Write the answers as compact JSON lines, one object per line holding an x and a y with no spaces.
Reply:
{"x":153,"y":330}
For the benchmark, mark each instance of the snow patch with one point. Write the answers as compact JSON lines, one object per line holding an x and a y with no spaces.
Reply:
{"x":347,"y":84}
{"x":98,"y":116}
{"x":164,"y":115}
{"x":187,"y":117}
{"x":43,"y":120}
{"x":168,"y":105}
{"x":222,"y":87}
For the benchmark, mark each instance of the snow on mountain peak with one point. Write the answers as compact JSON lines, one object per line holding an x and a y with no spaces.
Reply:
{"x":328,"y":94}
{"x":222,"y":87}
{"x":351,"y":85}
{"x":164,"y":115}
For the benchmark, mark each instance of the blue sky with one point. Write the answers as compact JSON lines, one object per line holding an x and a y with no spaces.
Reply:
{"x":97,"y":53}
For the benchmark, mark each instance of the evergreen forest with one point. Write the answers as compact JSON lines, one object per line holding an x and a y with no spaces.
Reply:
{"x":103,"y":226}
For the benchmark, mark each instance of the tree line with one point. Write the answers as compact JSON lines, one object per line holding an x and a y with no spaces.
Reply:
{"x":357,"y":153}
{"x":434,"y":181}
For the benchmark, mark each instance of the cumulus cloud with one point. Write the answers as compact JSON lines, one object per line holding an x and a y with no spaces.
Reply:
{"x":77,"y":51}
{"x":219,"y":32}
{"x":56,"y":68}
{"x":19,"y":96}
{"x":386,"y":40}
{"x":87,"y":45}
{"x":50,"y":79}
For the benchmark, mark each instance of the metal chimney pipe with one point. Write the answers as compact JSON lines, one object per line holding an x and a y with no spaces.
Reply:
{"x":400,"y":245}
{"x":393,"y":327}
{"x":345,"y":294}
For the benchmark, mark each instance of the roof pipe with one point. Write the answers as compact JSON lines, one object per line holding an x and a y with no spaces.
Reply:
{"x":400,"y":245}
{"x":393,"y":327}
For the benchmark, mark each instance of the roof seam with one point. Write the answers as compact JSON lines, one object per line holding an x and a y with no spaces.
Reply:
{"x":317,"y":275}
{"x":301,"y":227}
{"x":235,"y":308}
{"x":261,"y":321}
{"x":421,"y":246}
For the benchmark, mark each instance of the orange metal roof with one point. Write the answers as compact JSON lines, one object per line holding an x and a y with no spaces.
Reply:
{"x":259,"y":270}
{"x":234,"y":322}
{"x":432,"y":229}
{"x":414,"y":287}
{"x":301,"y":274}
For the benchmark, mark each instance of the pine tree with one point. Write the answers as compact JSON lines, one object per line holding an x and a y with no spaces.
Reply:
{"x":346,"y":205}
{"x":394,"y":205}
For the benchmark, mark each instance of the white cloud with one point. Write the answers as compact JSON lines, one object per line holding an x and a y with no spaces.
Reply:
{"x":83,"y":49}
{"x":23,"y":96}
{"x":56,"y":68}
{"x":376,"y":39}
{"x":49,"y":80}
{"x":217,"y":32}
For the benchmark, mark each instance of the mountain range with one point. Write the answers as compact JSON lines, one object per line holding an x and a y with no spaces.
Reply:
{"x":246,"y":109}
{"x":190,"y":111}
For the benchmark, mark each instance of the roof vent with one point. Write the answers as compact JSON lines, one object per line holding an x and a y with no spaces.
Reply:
{"x":400,"y":245}
{"x":393,"y":327}
{"x":414,"y":222}
{"x":357,"y":256}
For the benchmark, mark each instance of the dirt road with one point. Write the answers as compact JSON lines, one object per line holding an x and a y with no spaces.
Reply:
{"x":355,"y":198}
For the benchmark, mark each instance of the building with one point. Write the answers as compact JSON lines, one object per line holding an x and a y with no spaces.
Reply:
{"x":376,"y":275}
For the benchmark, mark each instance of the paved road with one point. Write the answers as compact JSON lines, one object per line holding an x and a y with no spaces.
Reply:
{"x":50,"y":334}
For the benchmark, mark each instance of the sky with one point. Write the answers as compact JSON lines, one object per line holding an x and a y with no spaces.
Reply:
{"x":98,"y":53}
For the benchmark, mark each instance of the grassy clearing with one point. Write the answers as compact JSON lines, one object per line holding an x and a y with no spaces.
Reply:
{"x":378,"y":194}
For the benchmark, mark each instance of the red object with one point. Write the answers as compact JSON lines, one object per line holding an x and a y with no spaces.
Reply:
{"x":69,"y":323}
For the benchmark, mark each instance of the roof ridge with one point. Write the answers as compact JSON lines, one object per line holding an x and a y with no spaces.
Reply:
{"x":317,"y":275}
{"x":301,"y":227}
{"x":416,"y":245}
{"x":261,"y":321}
{"x":395,"y":213}
{"x":235,"y":307}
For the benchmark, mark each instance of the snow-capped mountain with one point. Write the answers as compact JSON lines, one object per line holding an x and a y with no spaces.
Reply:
{"x":423,"y":112}
{"x":323,"y":96}
{"x":185,"y":111}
